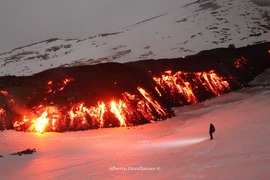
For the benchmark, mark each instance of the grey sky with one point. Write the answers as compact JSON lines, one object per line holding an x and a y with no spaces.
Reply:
{"x":27,"y":21}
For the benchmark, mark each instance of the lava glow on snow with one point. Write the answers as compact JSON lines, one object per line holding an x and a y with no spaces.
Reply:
{"x":130,"y":110}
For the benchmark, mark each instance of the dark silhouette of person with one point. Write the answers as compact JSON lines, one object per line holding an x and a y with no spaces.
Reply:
{"x":211,"y":130}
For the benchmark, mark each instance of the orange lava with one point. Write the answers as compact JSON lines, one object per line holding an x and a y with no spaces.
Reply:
{"x":240,"y":62}
{"x":160,"y":110}
{"x":5,"y":93}
{"x":185,"y":84}
{"x":2,"y":117}
{"x":51,"y":118}
{"x":125,"y":111}
{"x":53,"y":87}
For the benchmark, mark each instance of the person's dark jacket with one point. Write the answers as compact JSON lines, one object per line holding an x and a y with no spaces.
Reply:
{"x":212,"y":128}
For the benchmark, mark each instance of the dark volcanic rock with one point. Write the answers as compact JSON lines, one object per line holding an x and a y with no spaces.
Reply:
{"x":27,"y":151}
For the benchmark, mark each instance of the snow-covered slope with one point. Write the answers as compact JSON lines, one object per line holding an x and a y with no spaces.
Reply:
{"x":187,"y":29}
{"x":178,"y":148}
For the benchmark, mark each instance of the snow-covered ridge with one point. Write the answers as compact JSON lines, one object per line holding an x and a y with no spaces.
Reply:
{"x":200,"y":25}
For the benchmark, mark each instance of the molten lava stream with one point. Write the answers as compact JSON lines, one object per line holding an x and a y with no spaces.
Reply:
{"x":185,"y":84}
{"x":129,"y":109}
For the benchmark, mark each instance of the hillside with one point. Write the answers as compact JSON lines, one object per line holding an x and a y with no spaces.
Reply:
{"x":184,"y":30}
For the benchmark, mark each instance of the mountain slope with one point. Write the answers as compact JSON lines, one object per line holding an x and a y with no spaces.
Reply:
{"x":204,"y":24}
{"x":124,"y":94}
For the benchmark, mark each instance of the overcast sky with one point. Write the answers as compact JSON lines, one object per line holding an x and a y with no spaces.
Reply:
{"x":27,"y":21}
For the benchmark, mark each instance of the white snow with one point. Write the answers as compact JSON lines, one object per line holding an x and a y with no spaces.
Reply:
{"x":174,"y":32}
{"x":177,"y":148}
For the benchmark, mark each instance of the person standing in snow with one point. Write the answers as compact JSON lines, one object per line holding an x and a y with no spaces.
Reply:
{"x":211,"y":130}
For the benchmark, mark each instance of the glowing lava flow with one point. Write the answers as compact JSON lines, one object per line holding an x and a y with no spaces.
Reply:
{"x":131,"y":109}
{"x":117,"y":109}
{"x":65,"y":82}
{"x":41,"y":119}
{"x":97,"y":113}
{"x":177,"y":84}
{"x":2,"y":117}
{"x":53,"y":87}
{"x":41,"y":123}
{"x":5,"y":93}
{"x":214,"y":83}
{"x":185,"y":84}
{"x":154,"y":103}
{"x":2,"y":112}
{"x":80,"y":117}
{"x":240,"y":63}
